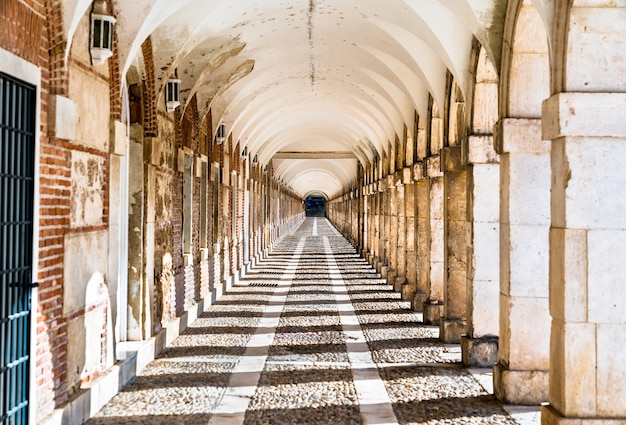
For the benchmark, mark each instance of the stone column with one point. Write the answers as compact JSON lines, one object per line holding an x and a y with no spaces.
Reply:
{"x":433,"y":307}
{"x":385,"y":227}
{"x":400,"y":257}
{"x":454,"y":320}
{"x":376,"y":230}
{"x":521,"y":375}
{"x":410,"y":265}
{"x":422,"y":193}
{"x":247,"y":206}
{"x":118,"y":230}
{"x":366,"y":218}
{"x":393,"y":231}
{"x":136,"y":229}
{"x":480,"y":345}
{"x":587,"y":267}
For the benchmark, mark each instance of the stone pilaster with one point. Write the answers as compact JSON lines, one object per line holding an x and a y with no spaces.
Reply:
{"x":392,"y":238}
{"x":422,"y":193}
{"x":587,"y":236}
{"x":410,"y":241}
{"x":433,"y":307}
{"x":411,"y":252}
{"x":521,"y":375}
{"x":480,"y":345}
{"x":454,"y":320}
{"x":400,"y":262}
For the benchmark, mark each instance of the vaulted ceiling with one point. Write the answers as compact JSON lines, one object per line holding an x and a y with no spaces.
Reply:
{"x":315,"y":86}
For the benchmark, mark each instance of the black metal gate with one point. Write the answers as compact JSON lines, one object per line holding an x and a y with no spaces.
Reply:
{"x":17,"y":162}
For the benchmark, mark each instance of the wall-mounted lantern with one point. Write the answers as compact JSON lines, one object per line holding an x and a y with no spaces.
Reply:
{"x":244,"y":152}
{"x":102,"y":27}
{"x":220,"y":136}
{"x":172,"y":94}
{"x":255,"y":160}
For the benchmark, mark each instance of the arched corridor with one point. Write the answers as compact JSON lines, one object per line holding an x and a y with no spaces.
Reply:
{"x":156,"y":157}
{"x":311,"y":335}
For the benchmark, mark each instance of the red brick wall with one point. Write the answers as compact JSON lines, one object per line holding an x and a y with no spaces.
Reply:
{"x":27,"y":33}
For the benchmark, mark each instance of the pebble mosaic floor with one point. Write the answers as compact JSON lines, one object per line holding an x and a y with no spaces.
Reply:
{"x":311,"y":335}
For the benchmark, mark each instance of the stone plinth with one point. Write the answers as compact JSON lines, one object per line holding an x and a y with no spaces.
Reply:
{"x":450,"y":331}
{"x":418,"y":301}
{"x":479,"y":352}
{"x":549,"y":416}
{"x":432,"y":312}
{"x":408,"y":292}
{"x":398,"y":283}
{"x":528,"y":387}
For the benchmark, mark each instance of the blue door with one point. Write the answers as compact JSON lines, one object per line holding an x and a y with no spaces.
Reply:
{"x":17,"y":162}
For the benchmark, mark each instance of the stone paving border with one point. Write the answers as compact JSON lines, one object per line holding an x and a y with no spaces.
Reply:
{"x":287,"y":369}
{"x":374,"y":403}
{"x":231,"y":409}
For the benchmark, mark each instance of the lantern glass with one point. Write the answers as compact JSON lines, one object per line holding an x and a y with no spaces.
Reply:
{"x":172,"y":94}
{"x":107,"y":35}
{"x":97,"y":33}
{"x":102,"y":27}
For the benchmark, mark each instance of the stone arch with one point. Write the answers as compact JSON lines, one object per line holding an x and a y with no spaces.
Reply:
{"x":525,"y":62}
{"x":584,"y":36}
{"x":521,"y":375}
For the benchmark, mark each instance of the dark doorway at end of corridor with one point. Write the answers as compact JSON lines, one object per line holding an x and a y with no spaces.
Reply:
{"x":315,"y":206}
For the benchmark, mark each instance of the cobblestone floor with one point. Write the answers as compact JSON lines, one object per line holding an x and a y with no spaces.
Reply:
{"x":310,"y":336}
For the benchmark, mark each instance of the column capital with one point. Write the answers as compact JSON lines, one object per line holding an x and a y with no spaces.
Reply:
{"x":418,"y":171}
{"x":398,"y":179}
{"x":433,"y":166}
{"x":481,"y":150}
{"x":451,"y":159}
{"x":584,"y":115}
{"x":407,"y":177}
{"x":520,"y":135}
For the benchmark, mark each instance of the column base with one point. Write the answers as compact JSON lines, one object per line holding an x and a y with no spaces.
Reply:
{"x":479,"y":352}
{"x":527,"y":387}
{"x":391,"y":278}
{"x":419,"y":299}
{"x":549,"y":416}
{"x":398,"y":282}
{"x":450,"y":331}
{"x":384,"y":270}
{"x":432,"y":313}
{"x":408,"y":292}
